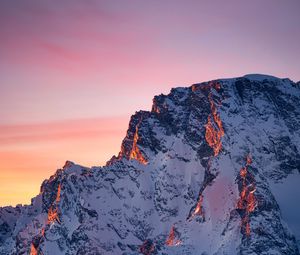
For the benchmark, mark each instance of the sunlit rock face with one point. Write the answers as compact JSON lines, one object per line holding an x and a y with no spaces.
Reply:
{"x":211,"y":169}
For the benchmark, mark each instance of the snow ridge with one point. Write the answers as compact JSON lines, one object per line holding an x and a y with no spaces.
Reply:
{"x":209,"y":170}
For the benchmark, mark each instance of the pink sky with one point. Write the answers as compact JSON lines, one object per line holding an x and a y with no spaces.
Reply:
{"x":72,"y":72}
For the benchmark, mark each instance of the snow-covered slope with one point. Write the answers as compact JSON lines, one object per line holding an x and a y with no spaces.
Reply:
{"x":212,"y":169}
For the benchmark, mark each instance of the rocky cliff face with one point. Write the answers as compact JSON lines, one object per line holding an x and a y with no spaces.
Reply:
{"x":212,"y":169}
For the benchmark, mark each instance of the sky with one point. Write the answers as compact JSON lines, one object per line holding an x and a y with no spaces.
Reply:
{"x":72,"y":72}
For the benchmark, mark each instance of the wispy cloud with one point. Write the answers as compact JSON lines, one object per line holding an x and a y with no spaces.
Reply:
{"x":58,"y":131}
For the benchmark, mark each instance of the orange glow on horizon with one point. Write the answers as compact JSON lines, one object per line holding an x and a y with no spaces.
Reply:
{"x":31,"y":153}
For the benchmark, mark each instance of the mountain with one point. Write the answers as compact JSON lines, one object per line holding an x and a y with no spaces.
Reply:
{"x":212,"y":169}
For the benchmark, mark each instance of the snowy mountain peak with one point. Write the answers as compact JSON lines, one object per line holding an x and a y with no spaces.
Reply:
{"x":260,"y":77}
{"x":209,"y":170}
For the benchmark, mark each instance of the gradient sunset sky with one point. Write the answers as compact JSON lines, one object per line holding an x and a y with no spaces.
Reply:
{"x":72,"y":72}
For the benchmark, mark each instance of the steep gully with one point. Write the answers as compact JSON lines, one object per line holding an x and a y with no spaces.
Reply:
{"x":247,"y":201}
{"x":135,"y":151}
{"x":52,"y":216}
{"x":213,"y":133}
